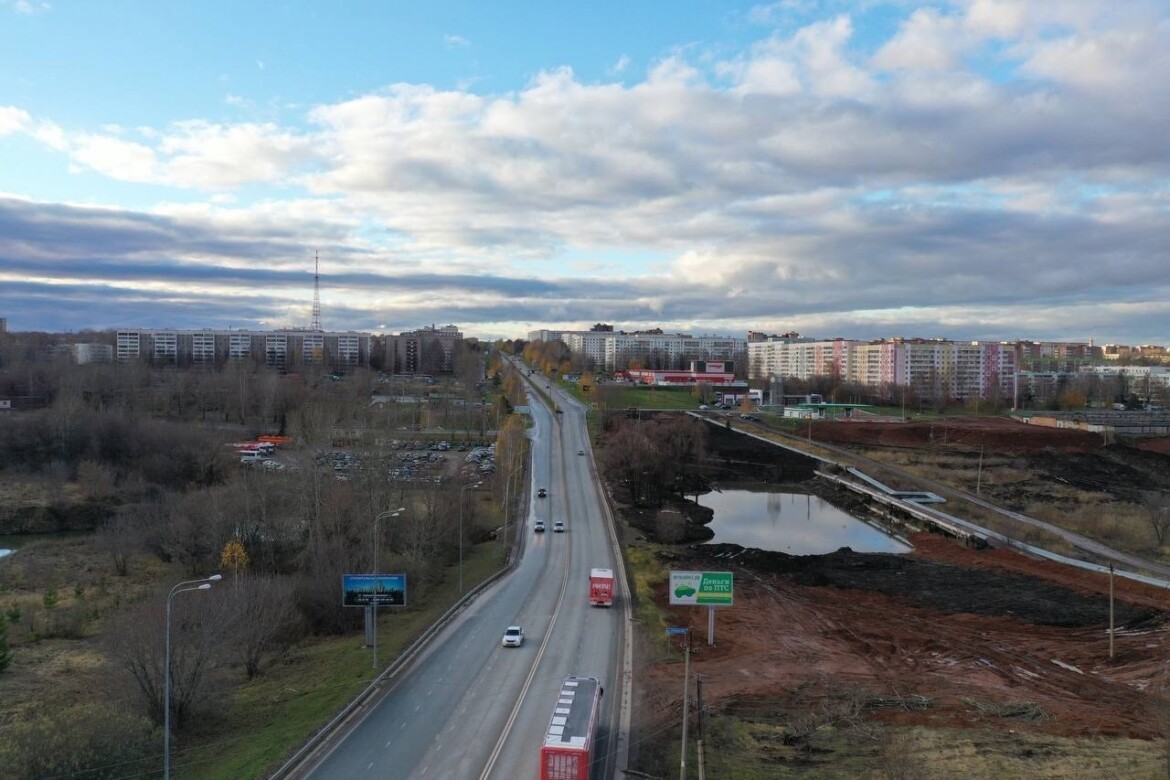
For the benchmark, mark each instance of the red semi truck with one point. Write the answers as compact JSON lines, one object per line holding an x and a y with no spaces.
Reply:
{"x":601,"y":587}
{"x":568,"y":744}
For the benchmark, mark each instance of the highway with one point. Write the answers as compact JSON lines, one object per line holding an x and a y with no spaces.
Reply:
{"x":468,"y":707}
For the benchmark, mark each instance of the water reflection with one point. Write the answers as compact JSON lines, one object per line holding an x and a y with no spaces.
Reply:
{"x":4,"y":552}
{"x":794,"y":523}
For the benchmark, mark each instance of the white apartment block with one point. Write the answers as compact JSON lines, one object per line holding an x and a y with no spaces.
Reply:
{"x":313,"y":348}
{"x":621,"y":348}
{"x":91,"y":353}
{"x":281,"y":349}
{"x":1140,"y":379}
{"x":589,"y":344}
{"x":548,"y":336}
{"x":799,"y":358}
{"x":933,"y":367}
{"x":203,"y":347}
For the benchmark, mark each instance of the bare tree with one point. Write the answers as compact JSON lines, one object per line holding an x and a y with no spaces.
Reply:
{"x":262,"y":617}
{"x":136,"y":643}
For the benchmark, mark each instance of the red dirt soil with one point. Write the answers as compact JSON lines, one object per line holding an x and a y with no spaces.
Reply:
{"x":791,"y":644}
{"x":997,"y":434}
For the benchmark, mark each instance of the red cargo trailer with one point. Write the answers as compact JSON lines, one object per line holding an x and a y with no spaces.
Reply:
{"x":568,"y":744}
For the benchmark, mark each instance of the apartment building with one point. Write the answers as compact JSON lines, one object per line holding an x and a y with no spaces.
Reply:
{"x":283,"y":349}
{"x":665,"y":350}
{"x":933,"y":367}
{"x":792,"y":356}
{"x":588,"y":344}
{"x":423,"y":350}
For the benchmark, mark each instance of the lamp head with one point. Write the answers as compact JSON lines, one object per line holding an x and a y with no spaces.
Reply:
{"x":215,"y":578}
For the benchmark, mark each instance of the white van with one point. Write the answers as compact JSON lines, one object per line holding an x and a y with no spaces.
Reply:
{"x":251,"y":456}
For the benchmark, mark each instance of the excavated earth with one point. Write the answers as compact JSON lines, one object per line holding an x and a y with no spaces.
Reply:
{"x":969,"y":634}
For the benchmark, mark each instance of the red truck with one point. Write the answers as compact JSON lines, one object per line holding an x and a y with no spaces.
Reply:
{"x":568,"y":744}
{"x":601,"y":587}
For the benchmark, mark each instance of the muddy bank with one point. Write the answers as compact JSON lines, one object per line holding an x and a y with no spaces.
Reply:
{"x":924,"y":583}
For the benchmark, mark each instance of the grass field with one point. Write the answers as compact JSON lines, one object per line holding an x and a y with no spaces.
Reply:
{"x":303,"y":691}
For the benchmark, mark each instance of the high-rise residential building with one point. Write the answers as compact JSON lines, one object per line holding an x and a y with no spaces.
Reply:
{"x":667,"y":350}
{"x":424,"y":350}
{"x":932,"y":367}
{"x":801,"y":358}
{"x":282,"y":349}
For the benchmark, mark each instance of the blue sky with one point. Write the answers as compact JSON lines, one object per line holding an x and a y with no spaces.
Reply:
{"x":969,"y":169}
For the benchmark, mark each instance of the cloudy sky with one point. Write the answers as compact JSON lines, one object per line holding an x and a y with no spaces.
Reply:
{"x":991,"y":169}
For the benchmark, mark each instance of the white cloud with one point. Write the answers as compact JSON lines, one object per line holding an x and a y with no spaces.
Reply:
{"x":114,"y":157}
{"x":998,"y":18}
{"x":455,"y":41}
{"x":213,"y":156}
{"x":27,"y":7}
{"x":13,"y":119}
{"x":925,"y":41}
{"x":620,"y":66}
{"x":798,"y":179}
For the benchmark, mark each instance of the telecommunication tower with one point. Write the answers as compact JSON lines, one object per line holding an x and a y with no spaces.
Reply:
{"x":316,"y":292}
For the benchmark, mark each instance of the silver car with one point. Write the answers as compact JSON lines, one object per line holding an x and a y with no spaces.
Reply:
{"x":513,"y":636}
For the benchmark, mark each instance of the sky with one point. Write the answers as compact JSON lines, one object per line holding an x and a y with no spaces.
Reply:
{"x":969,"y":169}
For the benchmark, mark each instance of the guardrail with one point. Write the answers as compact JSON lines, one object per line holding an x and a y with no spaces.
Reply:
{"x":407,"y":655}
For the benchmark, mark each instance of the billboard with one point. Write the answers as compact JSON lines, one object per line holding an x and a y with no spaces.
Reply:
{"x":701,"y":588}
{"x":367,"y":590}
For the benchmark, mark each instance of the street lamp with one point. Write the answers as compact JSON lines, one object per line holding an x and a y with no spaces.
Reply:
{"x":465,"y":487}
{"x":182,"y":587}
{"x":377,"y":539}
{"x":507,"y":508}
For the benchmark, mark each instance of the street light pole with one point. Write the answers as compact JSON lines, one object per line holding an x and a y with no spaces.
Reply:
{"x":377,"y":539}
{"x":461,"y":491}
{"x":182,"y":587}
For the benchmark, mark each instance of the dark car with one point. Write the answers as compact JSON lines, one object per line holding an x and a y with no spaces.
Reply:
{"x":541,"y":493}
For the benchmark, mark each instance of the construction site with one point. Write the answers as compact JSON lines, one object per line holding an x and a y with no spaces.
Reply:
{"x":954,"y":660}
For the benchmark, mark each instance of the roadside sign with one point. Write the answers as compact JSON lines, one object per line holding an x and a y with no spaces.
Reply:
{"x":701,"y":588}
{"x":368,"y":590}
{"x":677,"y":630}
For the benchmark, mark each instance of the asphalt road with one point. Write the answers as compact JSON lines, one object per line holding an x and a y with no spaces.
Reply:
{"x":470,"y":708}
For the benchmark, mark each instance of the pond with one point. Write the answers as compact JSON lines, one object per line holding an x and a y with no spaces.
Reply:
{"x":793,"y":523}
{"x":10,"y":544}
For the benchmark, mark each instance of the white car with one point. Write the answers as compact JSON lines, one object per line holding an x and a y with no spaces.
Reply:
{"x":539,"y":527}
{"x":513,"y":636}
{"x":559,"y":527}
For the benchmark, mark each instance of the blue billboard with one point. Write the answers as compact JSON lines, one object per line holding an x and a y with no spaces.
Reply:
{"x":368,"y":590}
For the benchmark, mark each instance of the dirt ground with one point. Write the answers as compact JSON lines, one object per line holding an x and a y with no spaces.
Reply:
{"x":945,"y":637}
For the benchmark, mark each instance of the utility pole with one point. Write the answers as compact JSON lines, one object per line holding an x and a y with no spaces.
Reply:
{"x":1111,"y":611}
{"x":699,"y":730}
{"x":682,"y":769}
{"x":979,"y":474}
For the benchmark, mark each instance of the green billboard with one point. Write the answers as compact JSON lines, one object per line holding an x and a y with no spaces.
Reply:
{"x":701,"y":588}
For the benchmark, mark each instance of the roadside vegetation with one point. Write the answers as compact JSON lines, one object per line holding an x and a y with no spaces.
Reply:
{"x":122,"y":481}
